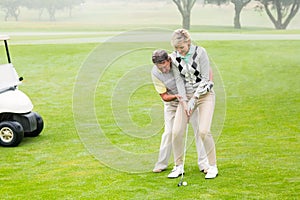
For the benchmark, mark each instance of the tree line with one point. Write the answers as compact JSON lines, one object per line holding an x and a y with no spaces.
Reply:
{"x":11,"y":8}
{"x":280,"y":12}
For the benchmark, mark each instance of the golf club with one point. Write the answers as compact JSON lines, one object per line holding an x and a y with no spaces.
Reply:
{"x":181,"y":182}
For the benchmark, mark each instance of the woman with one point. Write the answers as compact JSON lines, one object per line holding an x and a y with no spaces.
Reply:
{"x":193,"y":66}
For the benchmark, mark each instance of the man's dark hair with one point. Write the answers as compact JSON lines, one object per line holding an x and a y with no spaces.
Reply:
{"x":159,"y":56}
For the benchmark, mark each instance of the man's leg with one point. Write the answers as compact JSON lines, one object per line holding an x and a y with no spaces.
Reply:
{"x":166,"y":138}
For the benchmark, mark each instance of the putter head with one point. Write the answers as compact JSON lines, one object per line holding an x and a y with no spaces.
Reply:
{"x":180,"y":183}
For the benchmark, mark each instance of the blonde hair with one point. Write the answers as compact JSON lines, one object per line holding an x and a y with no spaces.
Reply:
{"x":180,"y":35}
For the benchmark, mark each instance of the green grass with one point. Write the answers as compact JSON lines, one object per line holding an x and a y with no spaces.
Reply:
{"x":258,"y":155}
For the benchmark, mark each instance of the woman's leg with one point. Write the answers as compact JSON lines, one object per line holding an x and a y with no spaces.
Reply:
{"x":179,"y":127}
{"x":202,"y":157}
{"x":178,"y":133}
{"x":206,"y":105}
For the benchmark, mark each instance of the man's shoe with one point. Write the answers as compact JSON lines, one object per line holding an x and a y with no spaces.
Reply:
{"x":204,"y":171}
{"x":176,"y":172}
{"x":203,"y":167}
{"x":212,"y":172}
{"x":158,"y":170}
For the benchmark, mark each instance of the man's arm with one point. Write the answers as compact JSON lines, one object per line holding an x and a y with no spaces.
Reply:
{"x":168,"y":97}
{"x":162,"y":90}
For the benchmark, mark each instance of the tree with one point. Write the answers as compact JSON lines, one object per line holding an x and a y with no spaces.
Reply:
{"x":51,"y":6}
{"x":238,"y":6}
{"x":185,"y":8}
{"x":71,"y":3}
{"x":285,"y":11}
{"x":34,"y":4}
{"x":217,"y":2}
{"x":11,"y":8}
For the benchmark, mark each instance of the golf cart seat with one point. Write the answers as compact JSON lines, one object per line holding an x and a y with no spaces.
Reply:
{"x":9,"y":78}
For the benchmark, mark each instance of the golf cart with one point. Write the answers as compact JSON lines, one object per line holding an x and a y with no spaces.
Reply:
{"x":16,"y":116}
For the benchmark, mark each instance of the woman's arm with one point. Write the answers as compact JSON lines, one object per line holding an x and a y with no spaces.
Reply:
{"x":179,"y":82}
{"x":181,"y":89}
{"x":203,"y":64}
{"x":205,"y":71}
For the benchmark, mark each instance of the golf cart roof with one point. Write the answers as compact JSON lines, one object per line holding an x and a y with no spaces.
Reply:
{"x":4,"y":37}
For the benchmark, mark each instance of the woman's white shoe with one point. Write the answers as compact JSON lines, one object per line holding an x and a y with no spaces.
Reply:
{"x":176,"y":172}
{"x":212,"y":172}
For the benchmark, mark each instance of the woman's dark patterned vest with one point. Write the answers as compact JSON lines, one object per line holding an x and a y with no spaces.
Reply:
{"x":179,"y":62}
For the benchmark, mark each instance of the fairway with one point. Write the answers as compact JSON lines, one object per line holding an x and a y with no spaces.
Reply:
{"x":257,"y":151}
{"x":91,"y":83}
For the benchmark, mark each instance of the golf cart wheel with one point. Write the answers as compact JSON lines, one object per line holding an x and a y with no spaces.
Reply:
{"x":39,"y":126}
{"x":11,"y":133}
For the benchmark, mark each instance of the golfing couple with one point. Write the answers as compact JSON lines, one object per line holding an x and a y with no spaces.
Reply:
{"x":183,"y":79}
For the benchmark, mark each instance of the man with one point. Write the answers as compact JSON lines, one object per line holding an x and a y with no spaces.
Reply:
{"x":165,"y":84}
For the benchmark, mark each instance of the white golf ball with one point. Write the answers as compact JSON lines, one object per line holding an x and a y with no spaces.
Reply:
{"x":184,"y":183}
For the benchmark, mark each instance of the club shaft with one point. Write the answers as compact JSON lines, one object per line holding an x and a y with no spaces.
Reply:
{"x":184,"y":153}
